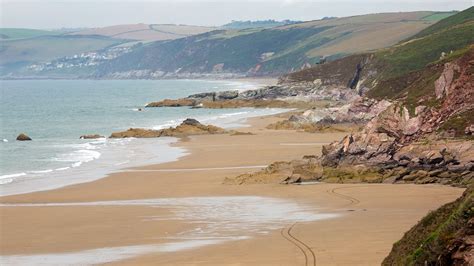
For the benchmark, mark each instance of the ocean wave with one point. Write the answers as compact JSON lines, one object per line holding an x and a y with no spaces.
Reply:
{"x":167,"y":124}
{"x":41,"y":171}
{"x":76,"y":164}
{"x":6,"y":179}
{"x":78,"y":156}
{"x":87,"y":145}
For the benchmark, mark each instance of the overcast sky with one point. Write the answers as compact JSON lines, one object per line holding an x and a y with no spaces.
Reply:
{"x":53,"y":14}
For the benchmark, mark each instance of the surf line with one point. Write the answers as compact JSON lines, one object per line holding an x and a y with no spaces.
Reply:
{"x":196,"y":169}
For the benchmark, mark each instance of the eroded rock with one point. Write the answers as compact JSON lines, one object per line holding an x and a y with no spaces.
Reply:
{"x":172,"y":103}
{"x":92,"y":136}
{"x":187,"y":128}
{"x":23,"y":137}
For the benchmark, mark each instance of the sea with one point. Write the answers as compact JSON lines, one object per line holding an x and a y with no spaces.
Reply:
{"x":55,"y":113}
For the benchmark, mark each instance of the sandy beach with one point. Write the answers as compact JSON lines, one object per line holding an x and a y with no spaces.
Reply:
{"x":180,"y":213}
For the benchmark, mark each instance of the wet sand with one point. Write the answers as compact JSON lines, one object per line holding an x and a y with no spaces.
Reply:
{"x":369,"y":218}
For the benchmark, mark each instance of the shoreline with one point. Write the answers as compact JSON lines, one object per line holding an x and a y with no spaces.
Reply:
{"x":97,"y":154}
{"x":88,"y":172}
{"x":219,"y":156}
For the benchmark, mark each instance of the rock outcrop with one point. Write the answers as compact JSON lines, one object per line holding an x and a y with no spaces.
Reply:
{"x":399,"y":144}
{"x":359,"y":111}
{"x":282,"y":172}
{"x":172,"y":103}
{"x":187,"y":128}
{"x":449,"y":163}
{"x":282,"y":95}
{"x":348,"y":72}
{"x":92,"y":136}
{"x":397,"y":127}
{"x":23,"y":137}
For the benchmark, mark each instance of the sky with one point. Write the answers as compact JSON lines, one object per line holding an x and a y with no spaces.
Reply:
{"x":55,"y":14}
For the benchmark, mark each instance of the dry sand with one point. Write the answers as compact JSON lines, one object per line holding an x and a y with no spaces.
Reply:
{"x":370,"y":217}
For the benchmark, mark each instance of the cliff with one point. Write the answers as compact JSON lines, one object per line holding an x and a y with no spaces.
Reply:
{"x":444,"y":237}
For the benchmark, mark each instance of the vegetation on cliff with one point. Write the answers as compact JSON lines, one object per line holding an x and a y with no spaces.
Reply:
{"x":443,"y":237}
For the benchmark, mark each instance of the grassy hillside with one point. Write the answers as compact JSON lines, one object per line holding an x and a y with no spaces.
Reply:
{"x":14,"y":33}
{"x":257,"y":24}
{"x":403,"y":64}
{"x":203,"y":53}
{"x":407,"y":71}
{"x":20,"y":48}
{"x":447,"y":22}
{"x":48,"y":47}
{"x":17,"y":54}
{"x":438,"y":236}
{"x":276,"y":50}
{"x":146,"y":32}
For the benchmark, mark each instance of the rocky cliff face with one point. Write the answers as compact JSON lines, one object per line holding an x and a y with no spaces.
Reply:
{"x":348,"y":72}
{"x":396,"y":126}
{"x":399,"y":143}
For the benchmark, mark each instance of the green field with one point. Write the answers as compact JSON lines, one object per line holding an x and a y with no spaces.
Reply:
{"x":47,"y":48}
{"x":15,"y":34}
{"x":450,"y":21}
{"x":439,"y":16}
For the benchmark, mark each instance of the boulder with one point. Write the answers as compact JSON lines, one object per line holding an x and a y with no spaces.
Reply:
{"x":227,"y":95}
{"x":295,"y":178}
{"x":445,"y":174}
{"x":317,"y":83}
{"x":208,"y":96}
{"x":435,"y":157}
{"x":435,"y":172}
{"x":391,"y":179}
{"x":410,"y":177}
{"x":469,"y":130}
{"x":191,"y":122}
{"x":23,"y":137}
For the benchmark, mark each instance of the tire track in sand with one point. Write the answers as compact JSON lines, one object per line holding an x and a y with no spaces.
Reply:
{"x":352,"y":200}
{"x":309,"y":256}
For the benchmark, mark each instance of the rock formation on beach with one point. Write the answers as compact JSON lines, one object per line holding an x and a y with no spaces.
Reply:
{"x":187,"y":128}
{"x":92,"y":136}
{"x":23,"y":137}
{"x":397,"y":145}
{"x":285,"y":95}
{"x":416,"y":112}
